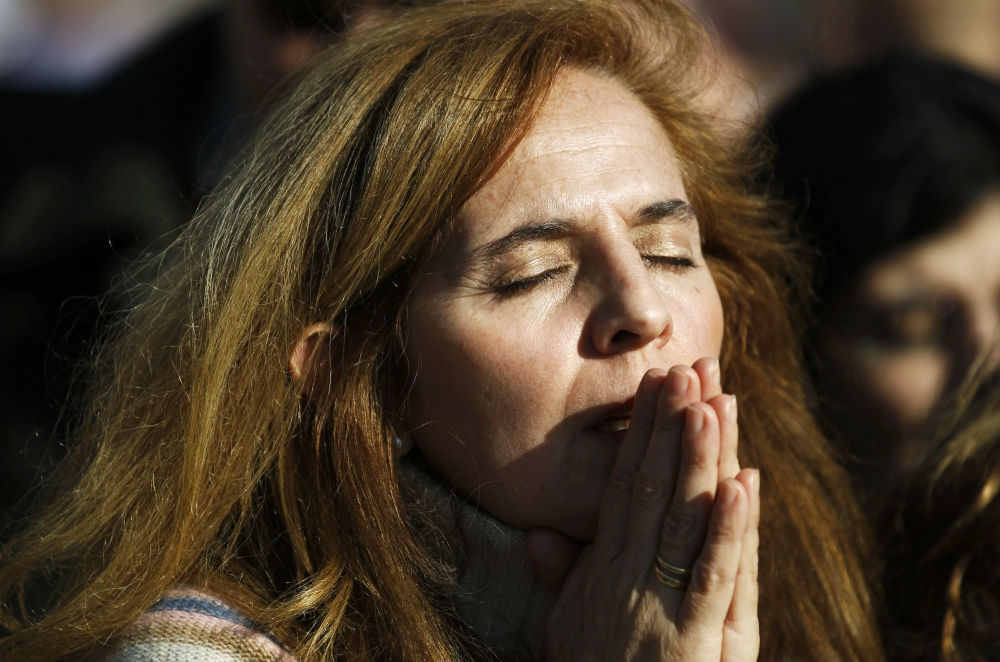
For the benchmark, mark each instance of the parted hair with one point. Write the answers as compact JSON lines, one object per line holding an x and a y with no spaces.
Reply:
{"x":196,"y":459}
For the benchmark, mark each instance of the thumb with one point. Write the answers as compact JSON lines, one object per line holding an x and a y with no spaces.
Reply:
{"x":552,"y":555}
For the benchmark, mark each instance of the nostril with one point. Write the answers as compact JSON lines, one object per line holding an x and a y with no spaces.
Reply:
{"x":623,"y":336}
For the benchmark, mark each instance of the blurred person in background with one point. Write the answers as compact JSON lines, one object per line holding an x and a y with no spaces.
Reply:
{"x":964,"y":31}
{"x":771,"y":46}
{"x":942,"y":541}
{"x":895,"y":170}
{"x":117,"y":116}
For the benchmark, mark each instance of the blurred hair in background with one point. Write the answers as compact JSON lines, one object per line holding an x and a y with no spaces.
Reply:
{"x":116,"y":117}
{"x":774,"y":45}
{"x":941,"y":537}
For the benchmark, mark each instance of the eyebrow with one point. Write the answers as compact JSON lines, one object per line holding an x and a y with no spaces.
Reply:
{"x":671,"y":210}
{"x":543,"y":231}
{"x":551,"y":229}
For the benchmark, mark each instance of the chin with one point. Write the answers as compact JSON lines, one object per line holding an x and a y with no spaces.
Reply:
{"x":579,"y":525}
{"x":565,"y":516}
{"x":583,"y":529}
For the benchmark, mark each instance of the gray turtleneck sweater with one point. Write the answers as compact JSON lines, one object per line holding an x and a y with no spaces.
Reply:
{"x":497,"y":593}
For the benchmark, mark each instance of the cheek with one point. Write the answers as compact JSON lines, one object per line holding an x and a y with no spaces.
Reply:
{"x":698,"y":321}
{"x":493,"y":381}
{"x":905,"y":385}
{"x":900,"y":387}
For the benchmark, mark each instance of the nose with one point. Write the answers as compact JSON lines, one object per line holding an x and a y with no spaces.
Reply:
{"x":630,"y":312}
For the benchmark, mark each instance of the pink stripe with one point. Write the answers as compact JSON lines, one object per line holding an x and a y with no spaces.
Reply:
{"x":199,"y":626}
{"x":183,"y":618}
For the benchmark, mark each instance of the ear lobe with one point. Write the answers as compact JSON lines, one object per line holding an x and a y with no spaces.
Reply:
{"x":309,"y":360}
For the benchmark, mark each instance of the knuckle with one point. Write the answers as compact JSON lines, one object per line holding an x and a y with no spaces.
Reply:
{"x":724,"y":533}
{"x":680,"y":528}
{"x":644,"y":417}
{"x":667,"y":426}
{"x":698,"y":460}
{"x":648,"y":486}
{"x":710,"y":579}
{"x":626,"y":596}
{"x":621,"y":480}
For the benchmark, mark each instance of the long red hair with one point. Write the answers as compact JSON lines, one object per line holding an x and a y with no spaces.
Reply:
{"x":198,"y":461}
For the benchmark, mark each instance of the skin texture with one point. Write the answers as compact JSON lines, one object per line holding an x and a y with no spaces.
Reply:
{"x":703,"y":517}
{"x":676,"y":493}
{"x":522,"y":348}
{"x":518,"y":355}
{"x":921,"y":316}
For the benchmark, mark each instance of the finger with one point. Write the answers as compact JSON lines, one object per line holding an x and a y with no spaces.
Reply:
{"x":729,"y":434}
{"x":686,"y":522}
{"x":562,"y":639}
{"x":708,"y":597}
{"x":710,"y":376}
{"x":612,"y":523}
{"x":657,"y":475}
{"x":741,"y":622}
{"x":552,"y":555}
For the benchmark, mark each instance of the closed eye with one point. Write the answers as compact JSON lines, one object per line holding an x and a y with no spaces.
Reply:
{"x":672,"y":263}
{"x":520,"y":285}
{"x":525,"y":284}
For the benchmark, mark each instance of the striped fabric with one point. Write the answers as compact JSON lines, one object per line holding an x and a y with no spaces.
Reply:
{"x":193,"y":626}
{"x":496,"y":593}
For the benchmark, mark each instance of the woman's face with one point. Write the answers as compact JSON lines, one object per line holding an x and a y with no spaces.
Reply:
{"x":912,"y":327}
{"x":576,"y":269}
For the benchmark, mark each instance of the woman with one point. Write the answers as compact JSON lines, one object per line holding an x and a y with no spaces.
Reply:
{"x":485,"y":230}
{"x":942,"y":541}
{"x":895,"y":169}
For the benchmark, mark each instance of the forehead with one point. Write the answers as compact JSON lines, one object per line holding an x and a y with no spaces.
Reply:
{"x":962,"y":257}
{"x":594,"y":107}
{"x":592,"y":147}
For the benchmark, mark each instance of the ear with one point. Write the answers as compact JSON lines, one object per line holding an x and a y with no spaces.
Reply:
{"x":309,"y":360}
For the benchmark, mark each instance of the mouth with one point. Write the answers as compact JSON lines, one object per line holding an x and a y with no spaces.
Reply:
{"x":613,"y":424}
{"x":608,"y":423}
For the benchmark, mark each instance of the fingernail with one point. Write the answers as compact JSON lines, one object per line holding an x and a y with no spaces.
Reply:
{"x":678,"y":383}
{"x":755,"y":481}
{"x":728,"y":496}
{"x":732,"y":405}
{"x":651,"y":384}
{"x":713,"y":368}
{"x":695,"y":421}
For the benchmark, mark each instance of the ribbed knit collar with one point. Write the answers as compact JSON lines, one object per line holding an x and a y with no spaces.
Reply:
{"x":497,"y":593}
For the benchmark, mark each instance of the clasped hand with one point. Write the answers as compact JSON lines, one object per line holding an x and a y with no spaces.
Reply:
{"x":676,"y":491}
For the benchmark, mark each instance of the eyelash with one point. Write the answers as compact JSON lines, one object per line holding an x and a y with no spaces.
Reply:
{"x":674,"y":263}
{"x":525,"y":284}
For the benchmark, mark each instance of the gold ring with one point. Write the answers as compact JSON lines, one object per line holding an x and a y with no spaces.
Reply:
{"x":672,"y":569}
{"x":670,"y":582}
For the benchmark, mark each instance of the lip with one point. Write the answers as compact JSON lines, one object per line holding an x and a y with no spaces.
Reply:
{"x":611,"y":410}
{"x":600,"y":414}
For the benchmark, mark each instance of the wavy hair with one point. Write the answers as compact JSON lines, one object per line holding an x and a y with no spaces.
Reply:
{"x":942,"y":540}
{"x":198,"y":461}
